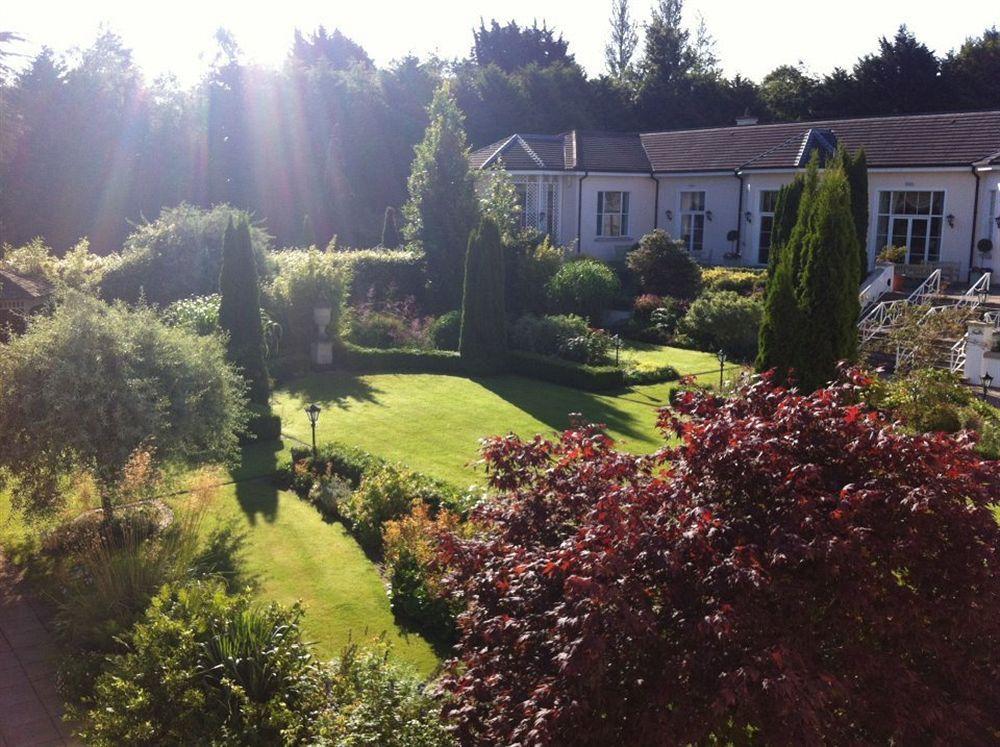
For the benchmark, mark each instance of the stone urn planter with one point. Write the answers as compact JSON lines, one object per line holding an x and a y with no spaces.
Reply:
{"x":322,"y":315}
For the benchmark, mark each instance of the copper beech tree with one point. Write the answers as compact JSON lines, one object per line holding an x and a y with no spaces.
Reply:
{"x":796,"y":570}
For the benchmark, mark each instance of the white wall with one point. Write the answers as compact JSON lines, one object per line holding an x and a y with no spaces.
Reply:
{"x":987,"y":227}
{"x":722,"y":198}
{"x":959,"y":191}
{"x":642,"y":194}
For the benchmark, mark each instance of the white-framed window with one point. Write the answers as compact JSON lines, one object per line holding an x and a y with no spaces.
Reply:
{"x":911,"y":219}
{"x":693,"y":220}
{"x":522,"y":202}
{"x":612,"y":214}
{"x":538,"y":200}
{"x":765,"y":211}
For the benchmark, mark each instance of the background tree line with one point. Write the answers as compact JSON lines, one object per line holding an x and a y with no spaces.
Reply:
{"x":321,"y":146}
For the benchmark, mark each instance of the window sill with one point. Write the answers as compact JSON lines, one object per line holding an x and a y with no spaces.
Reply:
{"x":610,"y":239}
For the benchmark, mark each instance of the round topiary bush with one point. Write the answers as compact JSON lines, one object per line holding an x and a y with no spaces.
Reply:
{"x":664,"y":266}
{"x":585,"y":286}
{"x":444,"y":330}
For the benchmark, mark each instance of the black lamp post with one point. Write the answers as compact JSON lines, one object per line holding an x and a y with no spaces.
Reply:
{"x":721,"y":355}
{"x":313,"y":412}
{"x":987,"y":382}
{"x":617,"y":340}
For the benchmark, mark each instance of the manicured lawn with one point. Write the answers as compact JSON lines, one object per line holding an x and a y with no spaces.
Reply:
{"x":295,"y":554}
{"x":685,"y":361}
{"x":433,"y":423}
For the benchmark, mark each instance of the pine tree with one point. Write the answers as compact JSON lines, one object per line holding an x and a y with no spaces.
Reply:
{"x":442,"y":208}
{"x":308,"y":232}
{"x":828,"y":288}
{"x":621,"y":46}
{"x":239,"y":309}
{"x":483,"y":336}
{"x":390,"y":229}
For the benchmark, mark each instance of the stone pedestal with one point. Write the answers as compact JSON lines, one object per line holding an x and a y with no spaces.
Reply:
{"x":979,"y":355}
{"x":322,"y":353}
{"x":322,"y":349}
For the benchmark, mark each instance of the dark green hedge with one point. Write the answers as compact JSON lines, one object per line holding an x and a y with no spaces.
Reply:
{"x":383,"y":272}
{"x":351,"y":464}
{"x":547,"y":368}
{"x":376,"y":360}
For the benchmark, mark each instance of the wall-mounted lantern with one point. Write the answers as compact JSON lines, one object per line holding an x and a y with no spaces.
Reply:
{"x":997,"y":219}
{"x":951,"y":220}
{"x":670,"y":216}
{"x":708,"y":214}
{"x":749,"y":216}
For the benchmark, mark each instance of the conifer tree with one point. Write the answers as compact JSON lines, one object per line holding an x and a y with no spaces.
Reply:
{"x":828,"y":288}
{"x":483,"y":336}
{"x":308,"y":232}
{"x":856,"y":169}
{"x":442,"y":208}
{"x":786,"y":212}
{"x":811,"y":309}
{"x":390,"y":229}
{"x":239,"y":310}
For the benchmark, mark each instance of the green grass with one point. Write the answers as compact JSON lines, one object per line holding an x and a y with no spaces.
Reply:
{"x":433,"y":423}
{"x":296,"y":555}
{"x":685,"y":361}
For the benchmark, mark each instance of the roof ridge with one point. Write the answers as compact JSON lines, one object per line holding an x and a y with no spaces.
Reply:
{"x":768,"y":151}
{"x":829,"y":121}
{"x":530,"y":151}
{"x":493,"y":156}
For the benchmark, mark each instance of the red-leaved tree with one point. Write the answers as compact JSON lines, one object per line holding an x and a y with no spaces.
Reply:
{"x":797,"y":570}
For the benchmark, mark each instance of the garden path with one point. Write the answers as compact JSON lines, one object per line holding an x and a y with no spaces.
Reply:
{"x":30,"y":709}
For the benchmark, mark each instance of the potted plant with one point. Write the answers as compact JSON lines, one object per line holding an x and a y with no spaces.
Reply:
{"x":893,"y":255}
{"x":985,"y":247}
{"x":732,"y":237}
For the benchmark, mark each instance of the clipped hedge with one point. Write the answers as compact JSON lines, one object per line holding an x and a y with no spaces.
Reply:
{"x":557,"y":371}
{"x":394,"y":360}
{"x":298,"y":472}
{"x":382,"y":273}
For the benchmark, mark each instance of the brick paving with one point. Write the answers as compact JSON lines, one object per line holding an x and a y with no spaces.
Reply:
{"x":30,"y":709}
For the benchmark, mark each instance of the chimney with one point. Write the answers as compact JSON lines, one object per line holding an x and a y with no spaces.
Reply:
{"x":746,"y":119}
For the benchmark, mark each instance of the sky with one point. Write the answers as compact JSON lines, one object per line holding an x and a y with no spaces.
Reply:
{"x":752,"y":36}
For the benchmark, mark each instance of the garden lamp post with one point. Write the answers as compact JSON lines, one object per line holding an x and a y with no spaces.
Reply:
{"x":987,"y":383}
{"x":618,"y":346}
{"x":721,"y":355}
{"x":313,"y":412}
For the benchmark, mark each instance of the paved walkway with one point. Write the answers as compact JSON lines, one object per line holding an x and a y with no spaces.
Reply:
{"x":30,"y":710}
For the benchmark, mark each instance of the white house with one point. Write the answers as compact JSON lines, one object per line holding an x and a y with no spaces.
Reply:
{"x":933,"y":185}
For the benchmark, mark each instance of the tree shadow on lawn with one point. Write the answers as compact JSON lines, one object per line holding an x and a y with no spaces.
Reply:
{"x":552,"y":405}
{"x":333,"y":389}
{"x":256,"y":491}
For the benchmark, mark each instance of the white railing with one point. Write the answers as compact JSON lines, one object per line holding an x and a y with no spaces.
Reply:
{"x":930,"y":287}
{"x":881,"y":283}
{"x":886,"y":313}
{"x":956,"y":357}
{"x":972,"y":299}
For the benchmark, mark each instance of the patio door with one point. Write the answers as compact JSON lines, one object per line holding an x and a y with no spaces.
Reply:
{"x":913,"y":233}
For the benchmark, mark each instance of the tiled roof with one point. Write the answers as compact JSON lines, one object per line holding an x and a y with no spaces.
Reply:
{"x":15,"y":287}
{"x":912,"y":140}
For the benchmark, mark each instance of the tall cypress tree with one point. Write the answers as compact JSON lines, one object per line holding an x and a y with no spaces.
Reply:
{"x":856,"y":169}
{"x":442,"y":208}
{"x":390,"y":229}
{"x":828,"y":288}
{"x":483,"y":336}
{"x":786,"y":213}
{"x":239,"y":309}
